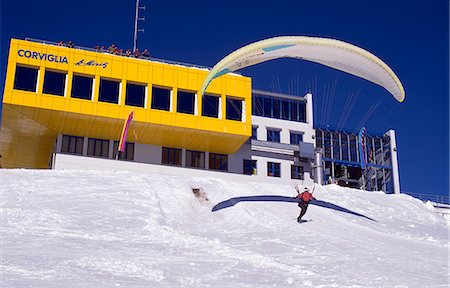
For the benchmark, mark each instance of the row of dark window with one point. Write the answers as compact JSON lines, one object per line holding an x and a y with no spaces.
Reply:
{"x":96,"y":147}
{"x":278,"y":108}
{"x":171,"y":156}
{"x":219,"y":162}
{"x":82,"y":88}
{"x":273,"y":135}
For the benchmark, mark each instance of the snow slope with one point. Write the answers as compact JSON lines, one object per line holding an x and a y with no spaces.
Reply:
{"x":122,"y":229}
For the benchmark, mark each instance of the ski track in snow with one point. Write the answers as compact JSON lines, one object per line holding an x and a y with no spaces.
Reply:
{"x":112,"y":229}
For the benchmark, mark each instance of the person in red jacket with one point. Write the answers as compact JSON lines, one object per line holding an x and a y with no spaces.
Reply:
{"x":304,"y":199}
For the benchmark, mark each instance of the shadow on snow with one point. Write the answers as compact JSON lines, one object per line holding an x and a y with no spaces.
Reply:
{"x":273,"y":198}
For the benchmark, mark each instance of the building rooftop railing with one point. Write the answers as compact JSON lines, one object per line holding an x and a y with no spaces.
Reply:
{"x":439,"y":199}
{"x":141,"y":58}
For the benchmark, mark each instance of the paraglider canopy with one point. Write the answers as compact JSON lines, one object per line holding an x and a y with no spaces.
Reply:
{"x":329,"y":52}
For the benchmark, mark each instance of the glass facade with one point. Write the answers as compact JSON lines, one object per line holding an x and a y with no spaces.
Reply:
{"x":279,"y":108}
{"x":341,"y":154}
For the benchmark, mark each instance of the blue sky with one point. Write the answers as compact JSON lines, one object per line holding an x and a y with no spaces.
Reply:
{"x":412,"y":37}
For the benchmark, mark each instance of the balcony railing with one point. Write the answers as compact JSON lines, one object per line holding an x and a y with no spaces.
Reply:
{"x":440,"y":199}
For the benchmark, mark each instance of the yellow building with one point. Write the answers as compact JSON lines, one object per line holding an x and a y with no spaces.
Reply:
{"x":51,"y":91}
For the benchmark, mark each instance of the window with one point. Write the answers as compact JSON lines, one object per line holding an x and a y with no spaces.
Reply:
{"x":186,"y":102}
{"x":54,"y":83}
{"x":135,"y":95}
{"x":279,"y":108}
{"x":171,"y":156}
{"x":296,"y":172}
{"x":72,"y":145}
{"x":26,"y":78}
{"x":273,"y":169}
{"x":250,"y":167}
{"x":254,"y":133}
{"x":234,"y":109}
{"x":195,"y":159}
{"x":210,"y":106}
{"x":98,"y":147}
{"x":296,"y":138}
{"x":127,"y":154}
{"x":218,"y":162}
{"x":82,"y":87}
{"x":161,"y":98}
{"x":109,"y":91}
{"x":273,"y":135}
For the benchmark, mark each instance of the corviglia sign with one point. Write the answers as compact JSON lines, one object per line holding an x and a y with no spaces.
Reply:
{"x":42,"y":56}
{"x":57,"y":59}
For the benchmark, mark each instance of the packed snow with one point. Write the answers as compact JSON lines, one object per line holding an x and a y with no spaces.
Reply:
{"x":122,"y":229}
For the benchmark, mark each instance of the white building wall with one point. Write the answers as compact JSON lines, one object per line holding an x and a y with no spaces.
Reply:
{"x":395,"y":172}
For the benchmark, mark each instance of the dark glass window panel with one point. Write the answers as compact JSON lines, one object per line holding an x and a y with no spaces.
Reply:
{"x":160,"y":99}
{"x":54,"y":83}
{"x":218,"y":162}
{"x":186,"y":102}
{"x":285,"y":109}
{"x":127,"y":154}
{"x":135,"y":95}
{"x":234,"y":109}
{"x":72,"y":144}
{"x":82,"y":87}
{"x":98,"y":147}
{"x":267,"y":107}
{"x":276,"y":106}
{"x":273,"y":136}
{"x":294,"y":111}
{"x":296,"y":172}
{"x":296,"y":138}
{"x":195,"y":159}
{"x":250,"y":167}
{"x":273,"y":169}
{"x":210,"y":106}
{"x":254,"y":133}
{"x":109,"y":91}
{"x":301,"y":112}
{"x":171,"y":156}
{"x":257,"y":106}
{"x":26,"y":78}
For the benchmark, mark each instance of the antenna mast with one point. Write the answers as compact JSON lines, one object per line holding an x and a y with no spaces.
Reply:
{"x":136,"y":29}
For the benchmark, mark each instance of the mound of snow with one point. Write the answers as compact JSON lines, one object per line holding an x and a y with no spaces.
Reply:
{"x":122,"y":229}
